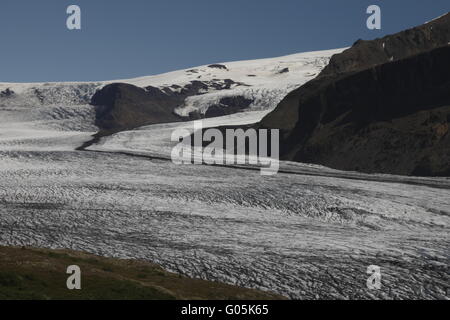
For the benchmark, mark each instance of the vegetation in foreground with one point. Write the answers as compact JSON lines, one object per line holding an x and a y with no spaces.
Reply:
{"x":40,"y":274}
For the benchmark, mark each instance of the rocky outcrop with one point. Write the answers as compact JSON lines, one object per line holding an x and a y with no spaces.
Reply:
{"x":6,"y":93}
{"x":121,"y":106}
{"x":218,"y":66}
{"x":366,"y":54}
{"x":228,"y":105}
{"x":362,"y":55}
{"x":381,"y":106}
{"x":392,"y":118}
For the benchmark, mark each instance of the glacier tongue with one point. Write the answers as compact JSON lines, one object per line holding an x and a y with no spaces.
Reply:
{"x":301,"y":235}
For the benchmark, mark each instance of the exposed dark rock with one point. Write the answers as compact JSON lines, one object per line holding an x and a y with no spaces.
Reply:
{"x":6,"y":93}
{"x":285,"y":70}
{"x":392,"y":118}
{"x":365,"y":54}
{"x":194,"y":88}
{"x":178,"y":94}
{"x":218,"y":66}
{"x":195,"y":115}
{"x":228,"y":105}
{"x":197,"y":87}
{"x":362,"y":55}
{"x":375,"y":108}
{"x":123,"y":106}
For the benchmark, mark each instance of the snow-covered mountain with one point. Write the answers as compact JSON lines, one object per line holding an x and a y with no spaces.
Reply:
{"x":38,"y":115}
{"x":265,"y":81}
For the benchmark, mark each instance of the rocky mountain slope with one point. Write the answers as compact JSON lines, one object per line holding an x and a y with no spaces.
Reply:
{"x":121,"y":106}
{"x":365,"y":54}
{"x":380,"y":106}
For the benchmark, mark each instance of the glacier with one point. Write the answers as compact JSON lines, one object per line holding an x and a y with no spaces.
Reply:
{"x":309,"y":232}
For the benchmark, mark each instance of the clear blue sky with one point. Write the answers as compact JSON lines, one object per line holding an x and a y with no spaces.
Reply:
{"x":129,"y":38}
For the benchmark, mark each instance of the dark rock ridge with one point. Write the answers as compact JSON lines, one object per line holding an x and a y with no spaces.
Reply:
{"x":218,"y":66}
{"x":228,"y":105}
{"x":362,"y":55}
{"x":122,"y":106}
{"x":375,"y":108}
{"x":365,"y":54}
{"x":392,"y":118}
